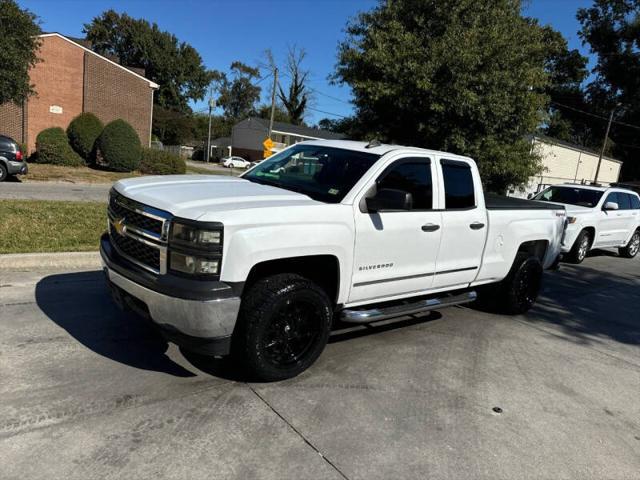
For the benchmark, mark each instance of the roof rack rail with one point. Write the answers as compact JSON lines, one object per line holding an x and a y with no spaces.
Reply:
{"x":374,"y":142}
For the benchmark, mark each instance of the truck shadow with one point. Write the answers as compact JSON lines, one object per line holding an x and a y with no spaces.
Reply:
{"x":228,"y":369}
{"x":591,"y":305}
{"x":80,"y":303}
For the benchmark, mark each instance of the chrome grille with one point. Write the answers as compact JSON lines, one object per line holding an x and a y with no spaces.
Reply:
{"x":135,"y":219}
{"x":139,"y":232}
{"x":142,"y":252}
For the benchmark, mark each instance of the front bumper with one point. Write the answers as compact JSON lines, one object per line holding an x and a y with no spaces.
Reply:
{"x":203,"y":325}
{"x":17,"y":168}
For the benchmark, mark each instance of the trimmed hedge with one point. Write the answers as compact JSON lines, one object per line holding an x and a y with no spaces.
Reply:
{"x":83,"y":131}
{"x":52,"y":146}
{"x":118,"y":147}
{"x":157,"y":162}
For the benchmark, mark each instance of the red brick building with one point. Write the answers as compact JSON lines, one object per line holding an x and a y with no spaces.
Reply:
{"x":71,"y":79}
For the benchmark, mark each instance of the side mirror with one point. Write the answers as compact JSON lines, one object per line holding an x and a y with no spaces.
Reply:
{"x":610,"y":206}
{"x":530,"y":196}
{"x":389,"y":199}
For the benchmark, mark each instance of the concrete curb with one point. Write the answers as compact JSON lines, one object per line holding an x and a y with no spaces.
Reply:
{"x":71,"y":260}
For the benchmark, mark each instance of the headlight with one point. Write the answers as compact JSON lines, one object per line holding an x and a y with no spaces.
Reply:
{"x":195,"y":248}
{"x":194,"y":265}
{"x":192,"y":236}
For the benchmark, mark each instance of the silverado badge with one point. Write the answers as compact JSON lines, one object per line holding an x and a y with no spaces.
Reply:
{"x":119,"y":225}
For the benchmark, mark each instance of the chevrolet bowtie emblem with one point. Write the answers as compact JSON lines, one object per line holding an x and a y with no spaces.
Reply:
{"x":119,"y":225}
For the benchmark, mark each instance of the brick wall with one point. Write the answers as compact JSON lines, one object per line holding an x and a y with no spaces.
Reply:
{"x":11,"y":121}
{"x":57,"y":80}
{"x":112,"y":93}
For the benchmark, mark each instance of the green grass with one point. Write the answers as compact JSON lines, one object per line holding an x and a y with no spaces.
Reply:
{"x":48,"y":226}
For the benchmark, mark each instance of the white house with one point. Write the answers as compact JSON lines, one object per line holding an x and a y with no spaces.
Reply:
{"x":567,"y":163}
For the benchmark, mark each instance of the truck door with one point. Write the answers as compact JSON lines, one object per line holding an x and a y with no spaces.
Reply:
{"x":395,"y":251}
{"x":614,"y":225}
{"x":464,"y":224}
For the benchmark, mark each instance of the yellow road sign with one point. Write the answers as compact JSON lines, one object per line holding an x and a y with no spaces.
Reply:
{"x":268,"y":144}
{"x":267,"y":154}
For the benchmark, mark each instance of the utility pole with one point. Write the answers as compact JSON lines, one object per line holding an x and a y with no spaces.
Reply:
{"x":212,"y":105}
{"x":604,"y":144}
{"x":273,"y":98}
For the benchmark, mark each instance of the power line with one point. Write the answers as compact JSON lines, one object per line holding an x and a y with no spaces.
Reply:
{"x":637,"y":127}
{"x":327,"y":113}
{"x":263,"y":78}
{"x":319,"y":92}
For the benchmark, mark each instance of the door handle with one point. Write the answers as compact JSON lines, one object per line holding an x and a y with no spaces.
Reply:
{"x":476,"y":225}
{"x":430,"y":227}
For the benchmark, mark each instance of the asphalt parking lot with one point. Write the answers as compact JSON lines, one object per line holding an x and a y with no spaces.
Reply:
{"x":90,"y":392}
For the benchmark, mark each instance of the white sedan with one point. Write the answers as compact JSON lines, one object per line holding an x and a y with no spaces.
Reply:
{"x":235,"y":162}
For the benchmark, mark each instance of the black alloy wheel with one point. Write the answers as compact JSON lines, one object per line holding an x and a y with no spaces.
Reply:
{"x":283,"y":326}
{"x":292,"y":333}
{"x":522,"y":285}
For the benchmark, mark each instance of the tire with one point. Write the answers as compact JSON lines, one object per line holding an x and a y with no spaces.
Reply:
{"x":632,"y":248}
{"x":283,"y":327}
{"x":580,"y":248}
{"x":518,"y":292}
{"x":4,"y":174}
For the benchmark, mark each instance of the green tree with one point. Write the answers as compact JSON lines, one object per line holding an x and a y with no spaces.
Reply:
{"x":611,"y":28}
{"x":176,"y":66}
{"x":567,"y":69}
{"x":457,"y":75}
{"x":297,"y":96}
{"x":238,"y":95}
{"x":18,"y":51}
{"x":172,"y":127}
{"x":279,"y":115}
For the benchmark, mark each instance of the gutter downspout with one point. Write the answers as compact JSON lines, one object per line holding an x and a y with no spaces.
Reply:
{"x":153,"y":91}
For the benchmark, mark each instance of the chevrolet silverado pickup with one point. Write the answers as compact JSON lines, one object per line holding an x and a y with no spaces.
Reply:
{"x":262,"y":265}
{"x":597,"y":217}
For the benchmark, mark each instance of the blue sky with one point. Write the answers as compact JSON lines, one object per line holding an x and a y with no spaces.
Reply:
{"x":227,"y":30}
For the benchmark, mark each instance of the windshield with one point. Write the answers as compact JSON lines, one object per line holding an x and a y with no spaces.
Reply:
{"x":582,"y":197}
{"x":323,"y":173}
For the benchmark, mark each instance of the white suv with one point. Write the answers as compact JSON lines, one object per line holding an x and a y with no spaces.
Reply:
{"x":597,"y":217}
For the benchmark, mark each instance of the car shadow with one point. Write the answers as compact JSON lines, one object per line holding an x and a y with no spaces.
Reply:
{"x":591,"y":305}
{"x":81,"y":304}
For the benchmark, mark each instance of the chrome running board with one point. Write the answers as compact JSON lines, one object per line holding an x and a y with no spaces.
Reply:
{"x":351,"y":315}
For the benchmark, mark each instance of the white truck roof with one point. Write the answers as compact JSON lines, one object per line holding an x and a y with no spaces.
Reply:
{"x":380,"y":149}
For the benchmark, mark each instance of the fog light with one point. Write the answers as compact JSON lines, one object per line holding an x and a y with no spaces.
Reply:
{"x":194,"y":265}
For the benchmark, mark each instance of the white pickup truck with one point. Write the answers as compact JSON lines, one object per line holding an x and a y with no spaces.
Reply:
{"x":260,"y":266}
{"x":597,"y":217}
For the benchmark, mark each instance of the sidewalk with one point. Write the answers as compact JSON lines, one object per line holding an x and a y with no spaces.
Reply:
{"x":29,"y":261}
{"x":79,"y":192}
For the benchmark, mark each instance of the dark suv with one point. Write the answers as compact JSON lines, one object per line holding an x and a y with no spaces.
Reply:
{"x":11,"y":158}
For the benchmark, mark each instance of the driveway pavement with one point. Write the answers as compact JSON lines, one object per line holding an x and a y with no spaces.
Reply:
{"x":89,"y":392}
{"x":86,"y":192}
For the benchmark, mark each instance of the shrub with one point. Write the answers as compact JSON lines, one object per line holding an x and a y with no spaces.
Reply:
{"x":52,"y":146}
{"x":118,"y":147}
{"x":157,"y":162}
{"x":83,"y":132}
{"x":198,"y":154}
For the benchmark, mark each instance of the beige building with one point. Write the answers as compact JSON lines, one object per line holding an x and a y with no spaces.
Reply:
{"x":567,"y":163}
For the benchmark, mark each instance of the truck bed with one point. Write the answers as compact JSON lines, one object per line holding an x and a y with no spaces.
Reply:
{"x":499,"y":202}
